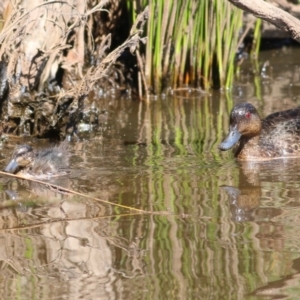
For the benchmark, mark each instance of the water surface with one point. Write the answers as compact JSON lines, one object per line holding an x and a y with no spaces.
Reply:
{"x":219,"y":229}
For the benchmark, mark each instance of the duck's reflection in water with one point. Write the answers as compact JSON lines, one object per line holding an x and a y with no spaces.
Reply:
{"x":267,"y":194}
{"x":274,"y":181}
{"x":243,"y":202}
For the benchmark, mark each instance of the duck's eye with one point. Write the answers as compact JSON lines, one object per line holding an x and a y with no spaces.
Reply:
{"x":247,"y":115}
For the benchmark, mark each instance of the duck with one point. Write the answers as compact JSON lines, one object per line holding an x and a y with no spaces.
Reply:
{"x":39,"y":164}
{"x":253,"y":138}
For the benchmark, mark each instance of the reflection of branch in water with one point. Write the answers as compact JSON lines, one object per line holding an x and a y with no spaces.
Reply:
{"x":58,"y":220}
{"x":54,"y":221}
{"x":134,"y":253}
{"x":58,"y":188}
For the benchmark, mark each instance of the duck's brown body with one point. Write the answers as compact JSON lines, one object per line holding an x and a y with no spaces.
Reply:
{"x":276,"y":136}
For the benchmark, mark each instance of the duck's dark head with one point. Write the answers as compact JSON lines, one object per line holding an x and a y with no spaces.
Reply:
{"x":23,"y":157}
{"x":244,"y":121}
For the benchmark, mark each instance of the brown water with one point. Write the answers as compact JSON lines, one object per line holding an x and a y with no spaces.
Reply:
{"x":220,"y":230}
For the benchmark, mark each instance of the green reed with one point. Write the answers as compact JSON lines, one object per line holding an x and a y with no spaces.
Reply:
{"x":190,"y":42}
{"x":256,"y":38}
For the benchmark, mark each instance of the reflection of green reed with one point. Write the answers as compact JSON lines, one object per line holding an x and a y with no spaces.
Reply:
{"x":198,"y":250}
{"x":190,"y":42}
{"x":184,"y":128}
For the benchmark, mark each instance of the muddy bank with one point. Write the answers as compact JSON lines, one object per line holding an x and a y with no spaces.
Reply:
{"x":57,"y":60}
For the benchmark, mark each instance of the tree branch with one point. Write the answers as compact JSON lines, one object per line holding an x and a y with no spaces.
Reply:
{"x":272,"y":14}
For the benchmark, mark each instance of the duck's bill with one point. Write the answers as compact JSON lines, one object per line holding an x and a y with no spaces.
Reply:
{"x":232,"y":138}
{"x":12,"y":167}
